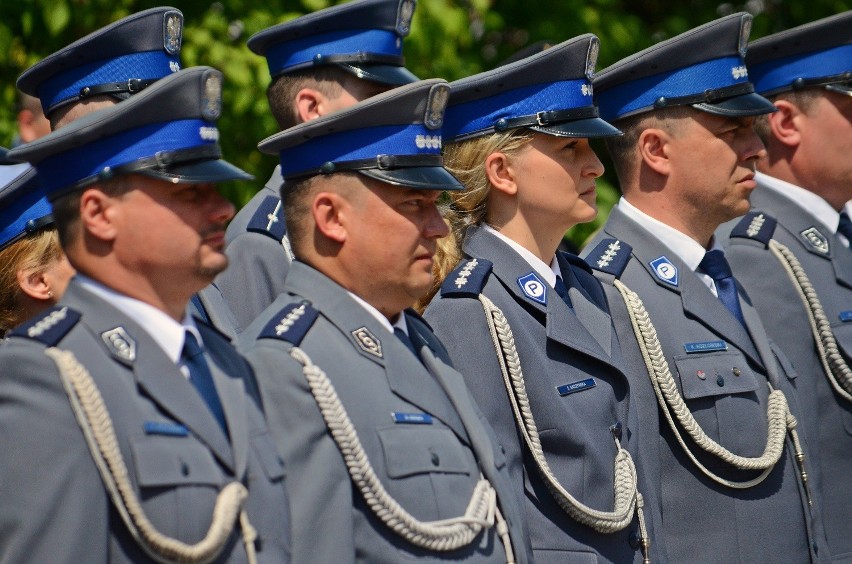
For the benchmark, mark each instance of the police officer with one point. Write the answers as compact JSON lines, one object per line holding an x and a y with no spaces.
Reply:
{"x":797,"y":222}
{"x":519,"y":141}
{"x":33,"y":270}
{"x":388,"y":460}
{"x":129,"y":430}
{"x":319,"y":63}
{"x":711,"y":391}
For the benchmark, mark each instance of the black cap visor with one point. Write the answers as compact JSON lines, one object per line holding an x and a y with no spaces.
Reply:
{"x":392,"y":75}
{"x":417,"y":177}
{"x":587,"y":128}
{"x":844,"y":88}
{"x":744,"y":105}
{"x":198,"y":172}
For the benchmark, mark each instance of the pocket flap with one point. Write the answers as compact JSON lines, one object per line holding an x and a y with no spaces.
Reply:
{"x":715,"y":374}
{"x":417,"y":449}
{"x":168,"y":461}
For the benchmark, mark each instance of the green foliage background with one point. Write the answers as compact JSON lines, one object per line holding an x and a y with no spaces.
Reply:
{"x":449,"y":39}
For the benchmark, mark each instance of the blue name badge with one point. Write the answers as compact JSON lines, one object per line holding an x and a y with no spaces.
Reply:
{"x":845,"y":316}
{"x":169,"y":429}
{"x":705,"y":346}
{"x":412,"y":418}
{"x":575,"y":387}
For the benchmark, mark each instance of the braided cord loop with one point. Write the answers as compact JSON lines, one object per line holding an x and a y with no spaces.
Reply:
{"x":95,"y":421}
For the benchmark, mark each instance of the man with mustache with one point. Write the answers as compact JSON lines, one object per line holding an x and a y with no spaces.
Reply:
{"x":713,"y":394}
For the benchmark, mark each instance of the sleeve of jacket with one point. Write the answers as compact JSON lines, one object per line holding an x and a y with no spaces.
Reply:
{"x":318,"y":484}
{"x":53,"y":507}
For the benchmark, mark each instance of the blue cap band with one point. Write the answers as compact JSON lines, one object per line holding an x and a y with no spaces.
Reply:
{"x":15,"y":217}
{"x":69,"y":167}
{"x":641,"y":94}
{"x":289,"y":54}
{"x":780,"y":73}
{"x":359,"y":144}
{"x":67,"y":85}
{"x":483,"y":113}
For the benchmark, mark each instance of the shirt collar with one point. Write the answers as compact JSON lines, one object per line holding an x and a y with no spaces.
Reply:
{"x":166,"y":332}
{"x":548,"y":272}
{"x":804,"y":199}
{"x":385,"y":322}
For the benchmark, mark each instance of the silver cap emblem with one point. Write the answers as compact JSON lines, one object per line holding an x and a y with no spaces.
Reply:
{"x":172,"y":32}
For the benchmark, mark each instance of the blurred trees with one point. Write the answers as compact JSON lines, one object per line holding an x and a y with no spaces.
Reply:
{"x":450,"y":39}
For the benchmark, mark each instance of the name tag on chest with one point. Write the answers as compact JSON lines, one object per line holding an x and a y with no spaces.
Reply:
{"x":845,"y":316}
{"x":411,"y":418}
{"x":705,"y":346}
{"x":575,"y":387}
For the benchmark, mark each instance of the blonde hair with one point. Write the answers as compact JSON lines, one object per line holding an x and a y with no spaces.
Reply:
{"x":466,"y":161}
{"x":36,"y":251}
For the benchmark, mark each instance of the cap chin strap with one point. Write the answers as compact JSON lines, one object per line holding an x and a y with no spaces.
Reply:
{"x":709,"y":96}
{"x":380,"y":162}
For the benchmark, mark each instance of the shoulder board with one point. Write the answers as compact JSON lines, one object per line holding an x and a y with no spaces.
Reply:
{"x":268,"y":219}
{"x":755,"y":225}
{"x":610,"y":256}
{"x":467,"y":279}
{"x":49,"y":327}
{"x":576,"y":261}
{"x":291,"y":324}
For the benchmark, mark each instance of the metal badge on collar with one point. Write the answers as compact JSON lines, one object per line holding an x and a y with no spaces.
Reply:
{"x":120,"y":344}
{"x":211,"y":105}
{"x":533,"y":288}
{"x":439,"y":95}
{"x":172,"y":32}
{"x":665,"y":270}
{"x":403,"y":17}
{"x":816,"y":239}
{"x":368,"y":342}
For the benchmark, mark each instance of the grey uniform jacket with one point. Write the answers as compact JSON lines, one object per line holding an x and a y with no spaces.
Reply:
{"x":258,"y":255}
{"x":53,"y":504}
{"x":557,"y":347}
{"x":417,"y":423}
{"x":209,"y":306}
{"x":825,"y":414}
{"x":725,"y":388}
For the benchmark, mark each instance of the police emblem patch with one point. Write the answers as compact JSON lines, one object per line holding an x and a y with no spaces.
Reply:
{"x":439,"y":95}
{"x":120,"y":344}
{"x":592,"y":58}
{"x":665,"y":270}
{"x":816,"y":240}
{"x":172,"y":32}
{"x":368,"y":342}
{"x":533,"y":288}
{"x":403,"y":17}
{"x":211,"y":105}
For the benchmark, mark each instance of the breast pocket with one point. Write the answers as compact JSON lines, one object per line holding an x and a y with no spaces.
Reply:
{"x":726,"y":397}
{"x":431,"y":474}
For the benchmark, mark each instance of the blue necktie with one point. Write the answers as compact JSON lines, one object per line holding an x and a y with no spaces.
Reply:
{"x":562,"y":290}
{"x":201,"y":378}
{"x":716,"y":267}
{"x":845,"y":227}
{"x":406,"y":340}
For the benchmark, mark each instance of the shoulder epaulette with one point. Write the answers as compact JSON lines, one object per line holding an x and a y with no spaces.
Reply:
{"x":49,"y":327}
{"x":467,"y":279}
{"x":610,"y":256}
{"x":576,"y":261}
{"x":291,"y":324}
{"x":268,"y":219}
{"x":755,"y":225}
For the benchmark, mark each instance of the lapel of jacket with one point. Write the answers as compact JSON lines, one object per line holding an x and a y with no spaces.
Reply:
{"x":405,"y":375}
{"x":697,"y":300}
{"x":160,"y":379}
{"x":232,"y":393}
{"x":596,"y":321}
{"x":808,"y":232}
{"x":561,"y":324}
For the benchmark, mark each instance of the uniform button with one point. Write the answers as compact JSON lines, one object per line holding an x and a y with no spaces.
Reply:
{"x":184,"y":468}
{"x":436,"y":460}
{"x":635,"y":541}
{"x":720,"y":380}
{"x":736,"y":371}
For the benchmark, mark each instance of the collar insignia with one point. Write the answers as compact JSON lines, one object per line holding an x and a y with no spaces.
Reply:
{"x":533,"y":288}
{"x":120,"y":344}
{"x":368,"y":342}
{"x":665,"y":270}
{"x":816,"y":240}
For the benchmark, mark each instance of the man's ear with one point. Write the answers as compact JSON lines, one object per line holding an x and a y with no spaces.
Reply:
{"x":330,"y":217}
{"x":98,"y":214}
{"x":655,"y":150}
{"x":500,"y":173}
{"x":786,"y":122}
{"x":310,"y":104}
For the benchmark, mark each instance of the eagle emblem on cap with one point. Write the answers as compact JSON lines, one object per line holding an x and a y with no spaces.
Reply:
{"x":211,"y":106}
{"x":403,"y":17}
{"x":439,"y":95}
{"x":172,"y":32}
{"x":592,"y":57}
